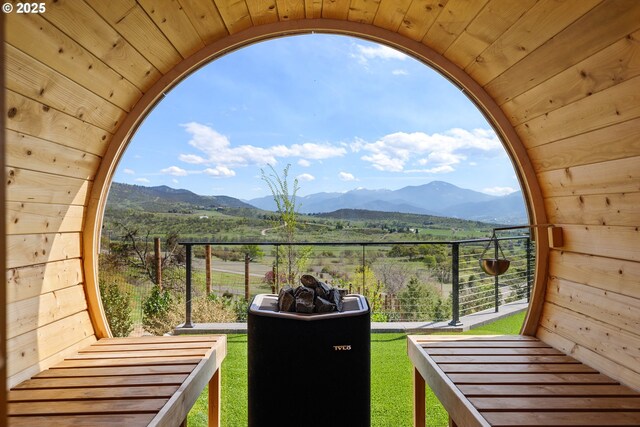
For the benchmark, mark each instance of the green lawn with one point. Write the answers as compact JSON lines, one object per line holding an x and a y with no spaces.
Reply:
{"x":391,"y":381}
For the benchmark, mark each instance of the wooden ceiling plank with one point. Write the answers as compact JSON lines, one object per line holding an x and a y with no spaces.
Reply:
{"x":137,"y":28}
{"x":313,"y":9}
{"x":609,"y":143}
{"x":612,"y":65}
{"x":614,"y":105}
{"x":391,"y":14}
{"x":290,"y":9}
{"x":174,"y":24}
{"x":235,"y":14}
{"x":420,"y":17}
{"x":28,"y":152}
{"x":263,"y":11}
{"x":335,"y":9}
{"x":80,"y":22}
{"x":32,"y":218}
{"x":40,"y":83}
{"x":615,"y":176}
{"x":609,"y":307}
{"x":611,"y":209}
{"x":583,"y":38}
{"x":545,"y":19}
{"x":52,"y":47}
{"x":24,"y":185}
{"x":205,"y":18}
{"x":33,"y":118}
{"x":492,"y":21}
{"x":453,"y":20}
{"x":363,"y":10}
{"x":28,"y":315}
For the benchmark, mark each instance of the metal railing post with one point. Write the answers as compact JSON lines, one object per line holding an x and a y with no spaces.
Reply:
{"x":363,"y":276}
{"x":497,"y":281}
{"x":455,"y":282}
{"x":187,"y":319}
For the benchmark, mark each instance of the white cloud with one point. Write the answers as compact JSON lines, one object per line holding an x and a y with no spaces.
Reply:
{"x":365,"y":53}
{"x":175,"y":181}
{"x":216,"y":151}
{"x":473,"y":163}
{"x":346,"y":176}
{"x":499,"y":191}
{"x":304,"y":163}
{"x":305,"y":177}
{"x":400,"y":72}
{"x":219,"y":171}
{"x":439,"y":152}
{"x":143,"y":180}
{"x":129,"y":171}
{"x":175,"y":171}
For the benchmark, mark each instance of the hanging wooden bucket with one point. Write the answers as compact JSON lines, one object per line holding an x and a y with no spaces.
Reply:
{"x":493,"y":266}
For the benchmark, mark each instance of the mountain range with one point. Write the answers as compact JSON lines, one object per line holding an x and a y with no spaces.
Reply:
{"x":435,"y":198}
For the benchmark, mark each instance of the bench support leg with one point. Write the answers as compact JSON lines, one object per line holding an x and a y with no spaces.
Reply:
{"x":214,"y":399}
{"x":419,"y":414}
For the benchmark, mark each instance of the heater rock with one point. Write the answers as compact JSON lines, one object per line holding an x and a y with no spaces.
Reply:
{"x":324,"y":306}
{"x":286,"y":299}
{"x":309,"y":281}
{"x":304,"y":299}
{"x":335,"y":297}
{"x":322,"y":290}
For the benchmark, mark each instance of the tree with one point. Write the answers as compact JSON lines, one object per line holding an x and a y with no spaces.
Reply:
{"x":285,"y":199}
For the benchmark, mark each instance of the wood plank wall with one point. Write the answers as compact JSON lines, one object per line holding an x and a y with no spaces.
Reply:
{"x":566,"y":73}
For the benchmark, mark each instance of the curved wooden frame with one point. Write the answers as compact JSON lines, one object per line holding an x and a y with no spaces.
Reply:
{"x":457,"y":76}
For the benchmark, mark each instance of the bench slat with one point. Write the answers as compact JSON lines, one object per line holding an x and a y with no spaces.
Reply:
{"x":532,"y":351}
{"x":545,"y":419}
{"x":531,"y":378}
{"x":544,"y":390}
{"x":173,"y":339}
{"x":504,"y":359}
{"x":554,"y":403}
{"x":116,"y":371}
{"x":122,"y":420}
{"x":516,"y":367}
{"x":140,"y":361}
{"x":92,"y":393}
{"x":195,"y":352}
{"x":131,"y":380}
{"x":111,"y":406}
{"x":202,"y":345}
{"x":485,"y":344}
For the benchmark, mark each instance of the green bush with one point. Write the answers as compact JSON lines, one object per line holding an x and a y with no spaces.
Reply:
{"x":155,"y":311}
{"x":117,"y":308}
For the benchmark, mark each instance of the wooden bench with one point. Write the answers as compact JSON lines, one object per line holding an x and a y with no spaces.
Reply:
{"x":146,"y":381}
{"x":515,"y":381}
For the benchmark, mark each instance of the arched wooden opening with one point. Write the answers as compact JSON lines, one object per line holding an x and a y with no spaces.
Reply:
{"x":562,"y":78}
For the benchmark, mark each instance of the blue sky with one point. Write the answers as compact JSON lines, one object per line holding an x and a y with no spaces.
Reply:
{"x":344,"y":112}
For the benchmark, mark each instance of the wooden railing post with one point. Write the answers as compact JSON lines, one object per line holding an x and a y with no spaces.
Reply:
{"x":157,"y":252}
{"x":246,"y":277}
{"x":207,"y":261}
{"x":187,"y":319}
{"x":496,"y":280}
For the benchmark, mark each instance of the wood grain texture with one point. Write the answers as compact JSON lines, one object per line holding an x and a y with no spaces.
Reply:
{"x":449,"y":24}
{"x":604,"y":273}
{"x":605,"y":241}
{"x":419,"y":18}
{"x":80,"y":22}
{"x":363,"y":11}
{"x":610,"y":209}
{"x":33,"y":118}
{"x":133,"y":23}
{"x":583,"y":38}
{"x":263,"y":11}
{"x":614,"y":142}
{"x":614,"y":64}
{"x":390,"y":14}
{"x":205,"y":18}
{"x":611,"y":106}
{"x":35,"y":218}
{"x":543,"y":21}
{"x":24,"y":185}
{"x":32,"y":249}
{"x":170,"y":18}
{"x":235,"y":15}
{"x":28,"y":152}
{"x":47,"y":44}
{"x":30,"y":314}
{"x":29,"y":282}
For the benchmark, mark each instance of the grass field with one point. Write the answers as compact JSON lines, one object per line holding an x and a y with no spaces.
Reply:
{"x":391,"y":381}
